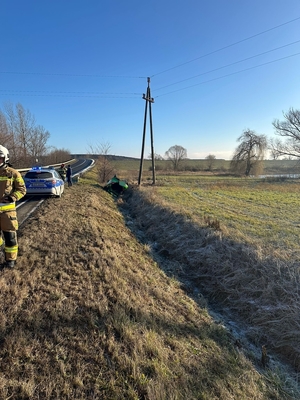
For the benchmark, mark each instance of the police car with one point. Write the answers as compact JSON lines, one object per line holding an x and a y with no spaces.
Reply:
{"x":44,"y":181}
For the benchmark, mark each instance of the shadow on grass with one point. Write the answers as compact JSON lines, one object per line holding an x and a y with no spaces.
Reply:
{"x":97,"y":339}
{"x":261,"y":292}
{"x":97,"y":185}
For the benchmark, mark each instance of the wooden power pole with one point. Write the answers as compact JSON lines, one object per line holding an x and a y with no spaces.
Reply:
{"x":149,"y":100}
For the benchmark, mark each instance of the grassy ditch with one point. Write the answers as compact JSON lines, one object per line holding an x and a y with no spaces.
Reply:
{"x":237,"y":241}
{"x":88,"y":313}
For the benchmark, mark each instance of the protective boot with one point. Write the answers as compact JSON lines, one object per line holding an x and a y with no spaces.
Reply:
{"x":9,"y":264}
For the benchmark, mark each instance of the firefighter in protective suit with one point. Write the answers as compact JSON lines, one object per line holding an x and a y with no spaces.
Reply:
{"x":12,"y":189}
{"x":62,"y":170}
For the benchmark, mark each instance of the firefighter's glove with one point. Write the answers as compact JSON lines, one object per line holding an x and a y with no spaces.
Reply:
{"x":7,"y":199}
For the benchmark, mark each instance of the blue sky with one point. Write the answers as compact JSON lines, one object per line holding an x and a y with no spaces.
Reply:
{"x":216,"y":68}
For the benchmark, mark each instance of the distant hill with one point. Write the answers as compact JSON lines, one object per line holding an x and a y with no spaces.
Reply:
{"x":109,"y":156}
{"x":271,"y":167}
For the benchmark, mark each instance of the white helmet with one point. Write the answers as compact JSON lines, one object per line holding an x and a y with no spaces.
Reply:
{"x":4,"y":153}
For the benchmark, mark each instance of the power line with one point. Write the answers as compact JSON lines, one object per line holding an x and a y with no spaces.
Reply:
{"x":67,"y":74}
{"x":54,"y":95}
{"x":228,"y":65}
{"x":63,"y":94}
{"x":105,"y":94}
{"x":226,"y":47}
{"x":233,"y":73}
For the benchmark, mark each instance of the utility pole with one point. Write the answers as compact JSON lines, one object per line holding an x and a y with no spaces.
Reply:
{"x":149,"y":100}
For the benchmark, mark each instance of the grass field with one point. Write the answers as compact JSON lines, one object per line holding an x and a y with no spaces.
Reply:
{"x":255,"y":211}
{"x":112,"y":299}
{"x":132,"y":165}
{"x":238,"y":240}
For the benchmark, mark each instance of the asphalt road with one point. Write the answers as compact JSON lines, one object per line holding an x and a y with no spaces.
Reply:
{"x":29,"y":204}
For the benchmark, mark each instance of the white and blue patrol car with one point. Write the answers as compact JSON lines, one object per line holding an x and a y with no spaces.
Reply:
{"x":44,"y":181}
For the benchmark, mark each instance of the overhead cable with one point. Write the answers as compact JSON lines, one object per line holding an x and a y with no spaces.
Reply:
{"x":226,"y":47}
{"x":4,"y":92}
{"x":62,"y":74}
{"x":67,"y":92}
{"x":233,"y":73}
{"x":228,"y":65}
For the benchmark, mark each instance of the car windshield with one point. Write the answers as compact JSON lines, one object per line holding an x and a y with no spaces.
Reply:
{"x":38,"y":175}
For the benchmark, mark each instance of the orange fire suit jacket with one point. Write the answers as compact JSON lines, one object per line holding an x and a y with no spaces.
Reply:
{"x":12,"y":188}
{"x":12,"y":185}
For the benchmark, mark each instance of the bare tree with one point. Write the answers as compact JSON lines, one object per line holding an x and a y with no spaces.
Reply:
{"x":5,"y":135}
{"x":249,"y":153}
{"x":273,"y":145}
{"x":211,"y":159}
{"x":20,"y":123}
{"x":103,"y":165}
{"x":157,"y":157}
{"x":37,"y":145}
{"x":176,"y":154}
{"x":55,"y":156}
{"x":9,"y":117}
{"x":289,"y":130}
{"x":25,"y":140}
{"x":25,"y":123}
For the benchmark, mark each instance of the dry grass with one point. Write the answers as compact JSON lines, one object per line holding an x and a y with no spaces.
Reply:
{"x":88,"y":314}
{"x":262,"y":290}
{"x":251,"y":211}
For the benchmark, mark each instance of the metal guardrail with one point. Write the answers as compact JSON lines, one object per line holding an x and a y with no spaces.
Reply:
{"x":47,"y":166}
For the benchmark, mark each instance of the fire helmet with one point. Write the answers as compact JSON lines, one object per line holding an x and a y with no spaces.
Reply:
{"x":4,"y":154}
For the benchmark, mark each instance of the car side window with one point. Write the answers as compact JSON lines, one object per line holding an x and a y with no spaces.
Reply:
{"x":56,"y":174}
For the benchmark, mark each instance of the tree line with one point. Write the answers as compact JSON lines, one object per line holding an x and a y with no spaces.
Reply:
{"x":26,"y":140}
{"x":249,"y":154}
{"x":27,"y":143}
